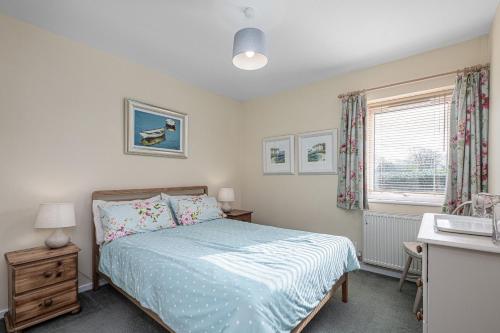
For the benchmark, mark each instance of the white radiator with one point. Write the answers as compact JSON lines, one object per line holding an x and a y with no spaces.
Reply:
{"x":383,"y":237}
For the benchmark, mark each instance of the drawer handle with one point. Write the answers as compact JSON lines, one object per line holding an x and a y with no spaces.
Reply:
{"x":59,"y":263}
{"x":47,"y":302}
{"x":59,"y":274}
{"x":47,"y":274}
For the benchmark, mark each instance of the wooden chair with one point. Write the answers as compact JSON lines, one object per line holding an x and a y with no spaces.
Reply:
{"x":481,"y":205}
{"x":414,"y":252}
{"x":464,"y":209}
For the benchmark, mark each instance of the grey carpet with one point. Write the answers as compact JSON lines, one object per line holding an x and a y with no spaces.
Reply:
{"x":374,"y":305}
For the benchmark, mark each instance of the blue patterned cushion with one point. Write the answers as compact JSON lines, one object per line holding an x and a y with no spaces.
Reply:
{"x":138,"y":216}
{"x":195,"y":209}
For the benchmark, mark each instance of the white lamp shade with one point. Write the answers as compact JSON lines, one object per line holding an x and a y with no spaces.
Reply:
{"x":226,"y":194}
{"x":249,"y":49}
{"x":55,"y":215}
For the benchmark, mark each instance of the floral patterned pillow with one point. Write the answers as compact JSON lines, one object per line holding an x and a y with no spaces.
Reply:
{"x":137,"y":216}
{"x":96,"y":211}
{"x":195,"y":209}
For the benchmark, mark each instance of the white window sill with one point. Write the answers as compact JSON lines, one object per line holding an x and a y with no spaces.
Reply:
{"x":406,"y":199}
{"x":400,"y":202}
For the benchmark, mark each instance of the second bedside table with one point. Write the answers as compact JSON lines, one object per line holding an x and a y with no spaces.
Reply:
{"x":240,"y":215}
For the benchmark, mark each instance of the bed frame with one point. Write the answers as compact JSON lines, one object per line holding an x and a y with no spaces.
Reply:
{"x":131,"y":194}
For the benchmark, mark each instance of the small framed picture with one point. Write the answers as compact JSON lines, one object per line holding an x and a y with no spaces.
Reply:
{"x":318,"y":152}
{"x":278,"y":155}
{"x":155,"y":131}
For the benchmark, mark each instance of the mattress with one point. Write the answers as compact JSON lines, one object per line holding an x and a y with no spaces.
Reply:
{"x":228,"y":276}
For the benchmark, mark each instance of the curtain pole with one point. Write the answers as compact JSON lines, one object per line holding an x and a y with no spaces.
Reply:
{"x":464,"y":70}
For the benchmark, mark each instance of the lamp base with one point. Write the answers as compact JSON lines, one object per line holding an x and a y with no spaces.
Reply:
{"x":57,"y":239}
{"x":226,"y":207}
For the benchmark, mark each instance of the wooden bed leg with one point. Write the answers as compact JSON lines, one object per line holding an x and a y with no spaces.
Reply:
{"x":95,"y":275}
{"x":95,"y":282}
{"x":345,"y":287}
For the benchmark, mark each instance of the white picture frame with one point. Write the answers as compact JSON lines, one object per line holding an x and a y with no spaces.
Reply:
{"x":278,"y":155}
{"x":155,"y":131}
{"x":317,"y":152}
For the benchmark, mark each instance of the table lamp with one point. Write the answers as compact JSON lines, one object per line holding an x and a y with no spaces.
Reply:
{"x":56,"y":216}
{"x":226,"y":195}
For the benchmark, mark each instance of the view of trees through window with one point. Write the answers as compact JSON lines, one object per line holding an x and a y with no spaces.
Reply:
{"x":424,"y":171}
{"x":408,"y":148}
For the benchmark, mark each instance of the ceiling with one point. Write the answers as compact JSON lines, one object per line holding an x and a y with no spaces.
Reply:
{"x":308,"y":40}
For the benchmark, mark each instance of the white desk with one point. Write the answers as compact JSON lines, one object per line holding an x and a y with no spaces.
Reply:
{"x":461,"y":276}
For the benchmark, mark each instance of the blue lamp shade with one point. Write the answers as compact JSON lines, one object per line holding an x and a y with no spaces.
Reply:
{"x":249,"y":49}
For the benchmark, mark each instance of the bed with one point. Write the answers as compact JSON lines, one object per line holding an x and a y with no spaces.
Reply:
{"x":224,"y":275}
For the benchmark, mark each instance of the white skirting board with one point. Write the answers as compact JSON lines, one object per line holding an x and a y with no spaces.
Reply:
{"x":386,"y":271}
{"x":85,"y":287}
{"x":380,"y":270}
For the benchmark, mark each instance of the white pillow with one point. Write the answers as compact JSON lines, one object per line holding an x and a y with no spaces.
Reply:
{"x":99,"y":231}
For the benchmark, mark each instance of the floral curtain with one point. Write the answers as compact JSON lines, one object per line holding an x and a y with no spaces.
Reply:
{"x":468,"y":150}
{"x":351,"y":191}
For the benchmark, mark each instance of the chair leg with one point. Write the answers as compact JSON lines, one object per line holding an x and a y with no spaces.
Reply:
{"x":418,"y":298}
{"x":405,"y":272}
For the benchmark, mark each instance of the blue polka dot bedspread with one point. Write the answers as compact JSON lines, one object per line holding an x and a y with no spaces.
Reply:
{"x":228,"y":276}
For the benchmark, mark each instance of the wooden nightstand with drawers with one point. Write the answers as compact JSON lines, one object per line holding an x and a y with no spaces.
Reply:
{"x":240,"y":215}
{"x":43,"y":284}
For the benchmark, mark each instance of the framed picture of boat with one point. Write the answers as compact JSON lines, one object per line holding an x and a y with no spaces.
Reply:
{"x":318,"y":152}
{"x":278,"y":155}
{"x":155,"y":131}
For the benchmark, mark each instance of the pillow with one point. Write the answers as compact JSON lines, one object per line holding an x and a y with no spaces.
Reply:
{"x":167,"y":197}
{"x":96,"y":212}
{"x":138,"y":216}
{"x":195,"y":209}
{"x":99,"y":232}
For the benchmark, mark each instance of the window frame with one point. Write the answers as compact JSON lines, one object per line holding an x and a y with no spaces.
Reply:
{"x":399,"y":198}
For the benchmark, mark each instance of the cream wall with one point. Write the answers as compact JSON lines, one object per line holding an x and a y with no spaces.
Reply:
{"x":494,"y":163}
{"x":61,"y":133}
{"x":309,"y":201}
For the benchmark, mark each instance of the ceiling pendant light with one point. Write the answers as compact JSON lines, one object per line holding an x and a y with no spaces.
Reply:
{"x":249,"y":47}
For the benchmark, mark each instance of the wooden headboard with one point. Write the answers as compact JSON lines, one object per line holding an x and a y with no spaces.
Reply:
{"x":131,"y":194}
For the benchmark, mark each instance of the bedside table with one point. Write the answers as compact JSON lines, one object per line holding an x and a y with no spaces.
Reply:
{"x":43,"y":284}
{"x":240,"y":215}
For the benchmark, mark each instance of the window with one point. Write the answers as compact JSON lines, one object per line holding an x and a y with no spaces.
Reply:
{"x":408,"y":148}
